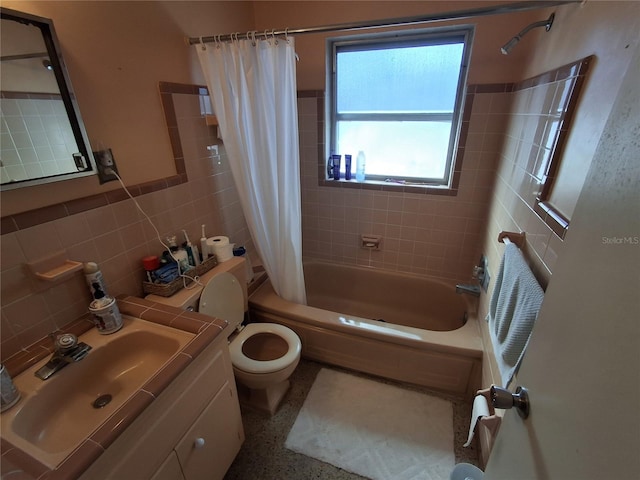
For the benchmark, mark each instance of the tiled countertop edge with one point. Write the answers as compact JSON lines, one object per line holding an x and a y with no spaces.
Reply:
{"x":205,"y":328}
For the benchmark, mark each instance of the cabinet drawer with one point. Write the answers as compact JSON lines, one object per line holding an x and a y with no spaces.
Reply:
{"x":209,"y":447}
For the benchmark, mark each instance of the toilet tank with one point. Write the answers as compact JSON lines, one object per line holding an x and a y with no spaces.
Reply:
{"x":188,"y":299}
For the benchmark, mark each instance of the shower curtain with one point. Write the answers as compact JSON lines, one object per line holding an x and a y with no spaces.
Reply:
{"x":252,"y":84}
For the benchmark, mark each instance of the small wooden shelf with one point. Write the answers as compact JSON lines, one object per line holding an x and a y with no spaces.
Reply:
{"x":211,"y":120}
{"x":60,"y":272}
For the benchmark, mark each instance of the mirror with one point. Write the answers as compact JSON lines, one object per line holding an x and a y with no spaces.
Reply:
{"x":42,"y":135}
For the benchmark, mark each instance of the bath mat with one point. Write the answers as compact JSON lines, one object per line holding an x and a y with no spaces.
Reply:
{"x":373,"y":429}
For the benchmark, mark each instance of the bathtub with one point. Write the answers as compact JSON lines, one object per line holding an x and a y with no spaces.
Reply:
{"x":398,"y":326}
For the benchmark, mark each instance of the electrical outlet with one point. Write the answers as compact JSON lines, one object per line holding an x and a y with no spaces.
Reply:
{"x":104,"y":160}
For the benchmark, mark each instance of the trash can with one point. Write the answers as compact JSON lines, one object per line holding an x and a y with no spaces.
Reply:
{"x":466,"y":471}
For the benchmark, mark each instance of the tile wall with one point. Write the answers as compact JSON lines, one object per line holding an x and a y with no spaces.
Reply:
{"x":114,"y":233}
{"x":513,"y":200}
{"x":436,"y":235}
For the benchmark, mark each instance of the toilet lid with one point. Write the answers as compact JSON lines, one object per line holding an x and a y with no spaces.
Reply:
{"x":222,"y":297}
{"x":246,"y":364}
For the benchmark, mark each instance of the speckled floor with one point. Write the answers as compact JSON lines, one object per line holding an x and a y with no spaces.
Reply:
{"x":264,"y":457}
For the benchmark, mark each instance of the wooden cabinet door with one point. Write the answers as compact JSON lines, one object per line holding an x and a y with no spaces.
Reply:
{"x":207,"y":450}
{"x":170,"y":469}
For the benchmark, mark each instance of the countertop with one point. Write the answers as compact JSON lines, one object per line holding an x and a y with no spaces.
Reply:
{"x":19,"y":465}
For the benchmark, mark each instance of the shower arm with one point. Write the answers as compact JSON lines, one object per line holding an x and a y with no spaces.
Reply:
{"x":542,"y":23}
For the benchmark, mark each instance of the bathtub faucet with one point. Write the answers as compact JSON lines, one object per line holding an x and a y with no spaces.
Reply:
{"x":470,"y":289}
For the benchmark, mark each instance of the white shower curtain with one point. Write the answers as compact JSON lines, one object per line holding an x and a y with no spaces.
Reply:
{"x":252,"y":85}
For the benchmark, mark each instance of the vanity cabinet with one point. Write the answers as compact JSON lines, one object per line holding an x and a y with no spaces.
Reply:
{"x":208,"y":438}
{"x":170,"y":469}
{"x":192,"y":431}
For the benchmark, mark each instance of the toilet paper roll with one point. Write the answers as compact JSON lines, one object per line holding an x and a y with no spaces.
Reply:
{"x":220,"y":247}
{"x":219,"y":240}
{"x":480,"y":409}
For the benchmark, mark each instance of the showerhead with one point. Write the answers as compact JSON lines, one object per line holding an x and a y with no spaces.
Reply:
{"x":506,"y":48}
{"x":514,"y":41}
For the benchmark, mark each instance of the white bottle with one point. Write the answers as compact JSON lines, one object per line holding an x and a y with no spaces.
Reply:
{"x":94,"y":277}
{"x":360,"y":161}
{"x":204,"y":249}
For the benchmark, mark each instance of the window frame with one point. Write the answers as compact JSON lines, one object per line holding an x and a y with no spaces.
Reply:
{"x":428,"y":36}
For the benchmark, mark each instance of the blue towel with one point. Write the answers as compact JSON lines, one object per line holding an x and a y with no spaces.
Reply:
{"x":513,"y":310}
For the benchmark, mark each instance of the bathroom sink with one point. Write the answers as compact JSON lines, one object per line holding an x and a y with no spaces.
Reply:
{"x":58,"y":414}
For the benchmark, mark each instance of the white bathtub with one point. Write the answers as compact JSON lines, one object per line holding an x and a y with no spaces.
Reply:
{"x":428,"y":334}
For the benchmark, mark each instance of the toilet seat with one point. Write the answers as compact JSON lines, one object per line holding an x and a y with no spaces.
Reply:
{"x":246,"y":364}
{"x":223,"y":298}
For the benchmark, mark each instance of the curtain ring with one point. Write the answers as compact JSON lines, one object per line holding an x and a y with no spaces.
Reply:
{"x":202,"y":45}
{"x":286,"y":34}
{"x":253,"y":38}
{"x":266,"y":37}
{"x":273,"y":35}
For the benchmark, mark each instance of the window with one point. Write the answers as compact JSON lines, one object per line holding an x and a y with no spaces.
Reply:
{"x":397,"y":96}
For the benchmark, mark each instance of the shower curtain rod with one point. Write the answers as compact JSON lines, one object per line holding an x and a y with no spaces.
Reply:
{"x":390,"y":22}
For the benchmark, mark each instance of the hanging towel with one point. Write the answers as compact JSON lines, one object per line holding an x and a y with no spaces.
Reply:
{"x":513,"y":310}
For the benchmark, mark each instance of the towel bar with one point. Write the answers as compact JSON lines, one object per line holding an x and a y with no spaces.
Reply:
{"x":512,"y":237}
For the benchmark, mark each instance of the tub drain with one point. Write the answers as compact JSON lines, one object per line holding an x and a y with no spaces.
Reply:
{"x":102,"y":401}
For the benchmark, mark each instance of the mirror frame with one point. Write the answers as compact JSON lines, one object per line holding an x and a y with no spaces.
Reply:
{"x":45,"y":25}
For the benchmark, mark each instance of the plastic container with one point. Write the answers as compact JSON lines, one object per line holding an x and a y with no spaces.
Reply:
{"x":150,"y":264}
{"x":242,"y":252}
{"x":466,"y":471}
{"x":106,"y":314}
{"x":360,"y":166}
{"x":335,"y":159}
{"x":347,"y":167}
{"x":9,"y":394}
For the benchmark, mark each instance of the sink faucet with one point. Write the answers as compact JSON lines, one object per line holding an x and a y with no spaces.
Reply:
{"x":470,"y":289}
{"x":67,"y":350}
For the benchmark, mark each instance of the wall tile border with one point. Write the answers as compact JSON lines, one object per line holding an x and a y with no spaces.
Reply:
{"x":31,"y":218}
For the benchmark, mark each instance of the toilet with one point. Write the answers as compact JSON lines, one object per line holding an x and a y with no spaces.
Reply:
{"x":263,"y":355}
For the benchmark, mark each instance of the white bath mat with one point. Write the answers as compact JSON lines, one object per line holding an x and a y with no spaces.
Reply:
{"x":375,"y":430}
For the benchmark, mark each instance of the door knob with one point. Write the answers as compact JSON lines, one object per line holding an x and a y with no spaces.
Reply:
{"x":504,"y":399}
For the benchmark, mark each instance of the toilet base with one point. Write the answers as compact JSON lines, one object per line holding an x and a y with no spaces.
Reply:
{"x":266,"y":400}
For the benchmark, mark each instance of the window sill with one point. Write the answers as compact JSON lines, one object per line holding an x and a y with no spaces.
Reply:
{"x":390,"y":187}
{"x":553,"y":218}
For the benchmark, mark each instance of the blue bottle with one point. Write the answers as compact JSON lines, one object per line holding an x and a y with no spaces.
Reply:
{"x":347,"y":167}
{"x":336,"y":166}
